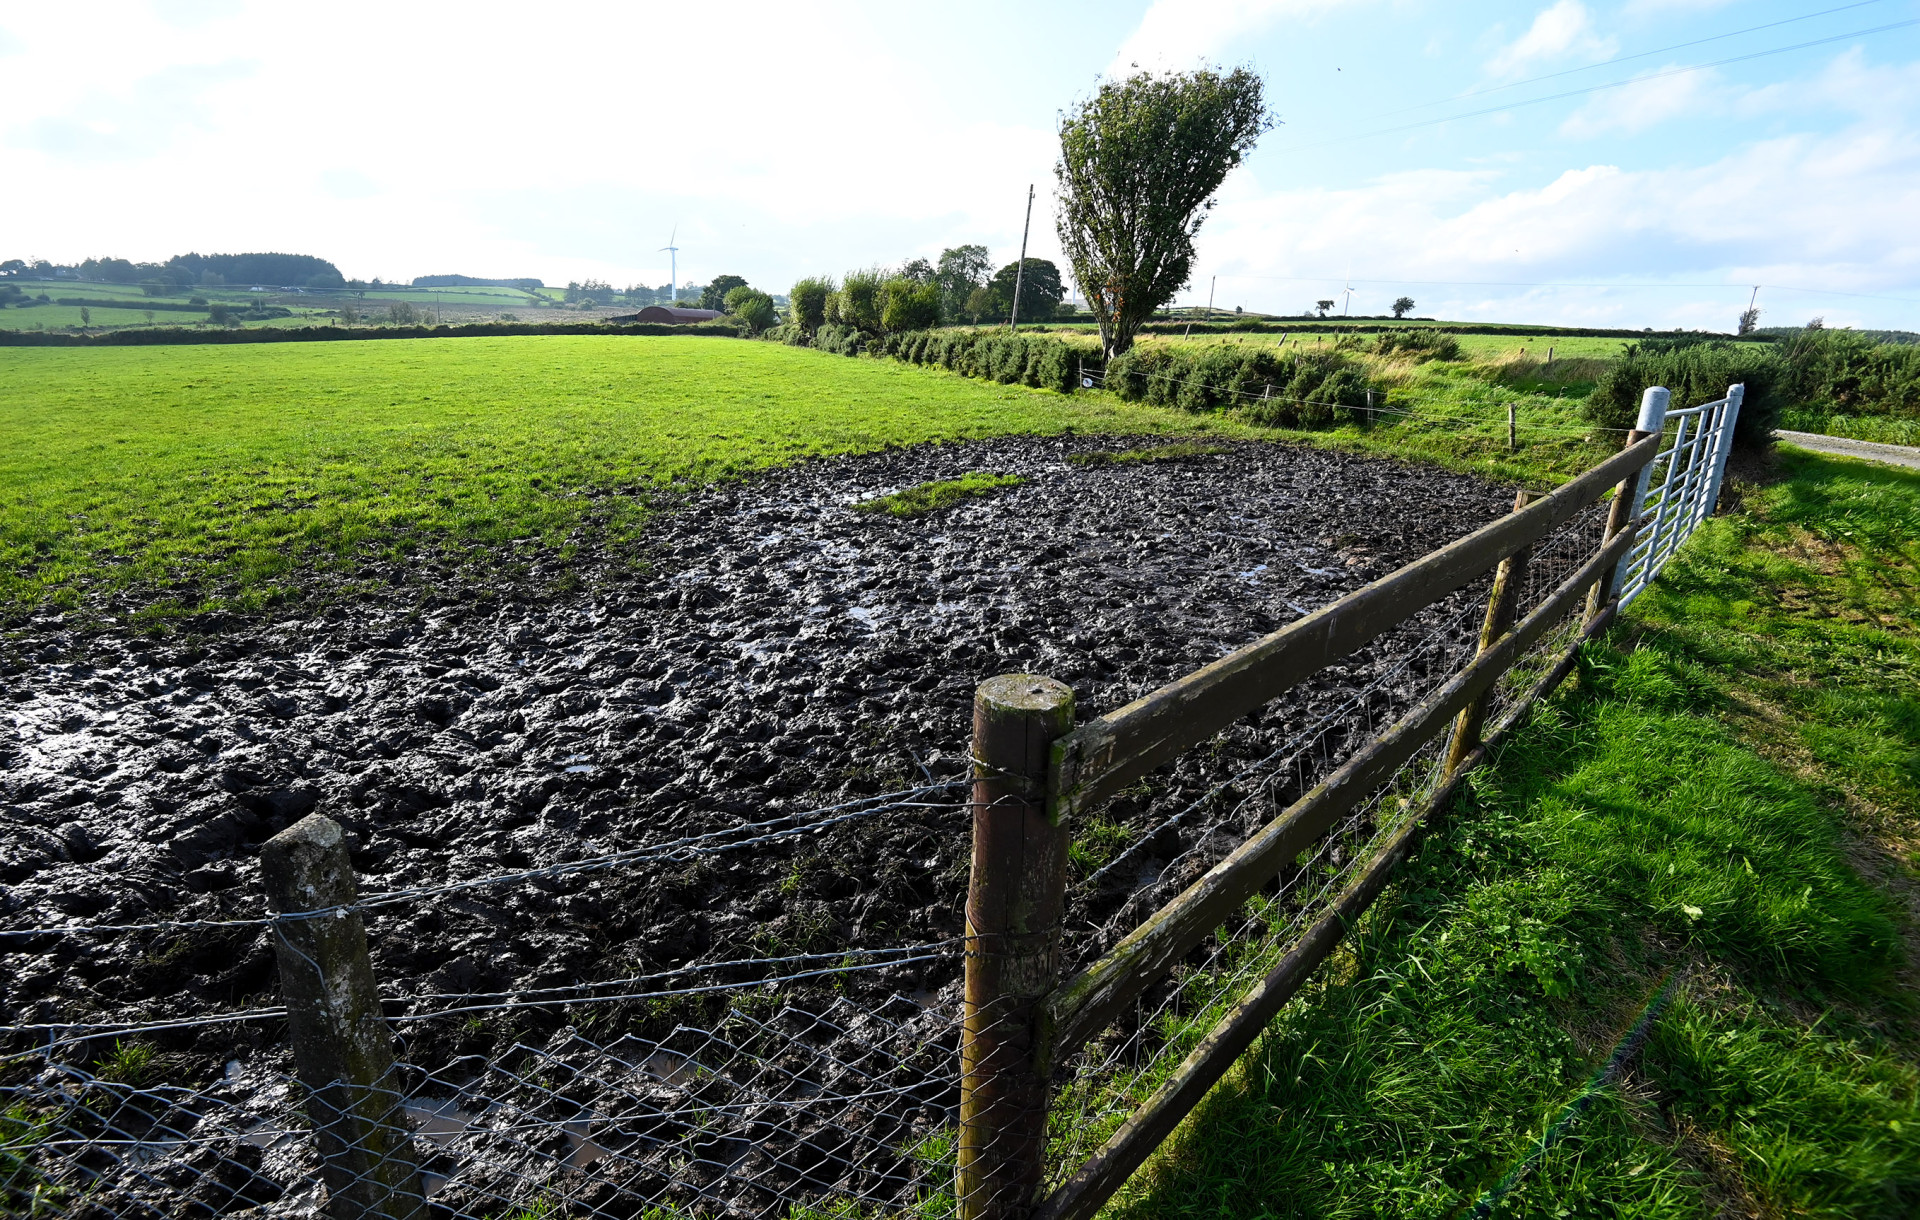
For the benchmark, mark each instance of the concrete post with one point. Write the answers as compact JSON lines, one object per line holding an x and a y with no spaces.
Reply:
{"x":342,"y":1048}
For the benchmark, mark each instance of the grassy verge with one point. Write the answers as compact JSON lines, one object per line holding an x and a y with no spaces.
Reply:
{"x":218,"y":475}
{"x":1725,"y":800}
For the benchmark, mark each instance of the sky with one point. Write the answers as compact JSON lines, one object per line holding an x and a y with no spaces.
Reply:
{"x":1573,"y":162}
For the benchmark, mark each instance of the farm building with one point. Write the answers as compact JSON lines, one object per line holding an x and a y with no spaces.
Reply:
{"x":671,"y":314}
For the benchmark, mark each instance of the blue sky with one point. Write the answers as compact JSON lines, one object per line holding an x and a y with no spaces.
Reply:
{"x":783,"y":140}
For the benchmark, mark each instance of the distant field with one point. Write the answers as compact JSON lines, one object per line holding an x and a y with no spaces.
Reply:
{"x":225,"y":470}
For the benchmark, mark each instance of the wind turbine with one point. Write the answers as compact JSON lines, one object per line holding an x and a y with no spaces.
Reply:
{"x":673,"y":266}
{"x":1347,"y":307}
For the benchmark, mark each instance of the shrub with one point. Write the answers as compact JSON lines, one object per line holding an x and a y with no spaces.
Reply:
{"x":909,"y":305}
{"x":807,"y":302}
{"x":1696,"y":372}
{"x":840,"y":340}
{"x":1421,"y":343}
{"x":859,"y":302}
{"x":1845,"y":372}
{"x":753,"y":307}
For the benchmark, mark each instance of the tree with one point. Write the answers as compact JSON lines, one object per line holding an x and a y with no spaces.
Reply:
{"x":961,"y":271}
{"x":86,"y":316}
{"x":858,"y":303}
{"x":807,"y":302}
{"x":1323,"y":307}
{"x":753,"y":307}
{"x":1402,"y":307}
{"x":986,"y":302}
{"x":919,"y":270}
{"x":714,"y":295}
{"x":12,"y":267}
{"x":1139,"y":164}
{"x":1040,"y":289}
{"x":1749,"y":321}
{"x":910,"y":305}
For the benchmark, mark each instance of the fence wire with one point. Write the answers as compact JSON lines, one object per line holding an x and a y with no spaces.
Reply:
{"x":782,"y":1095}
{"x":804,"y":1085}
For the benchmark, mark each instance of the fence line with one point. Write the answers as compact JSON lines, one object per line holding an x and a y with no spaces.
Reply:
{"x":873,"y":1079}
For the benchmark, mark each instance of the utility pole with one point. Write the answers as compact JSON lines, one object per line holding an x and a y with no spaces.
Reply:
{"x":1020,"y":268}
{"x":1212,"y":282}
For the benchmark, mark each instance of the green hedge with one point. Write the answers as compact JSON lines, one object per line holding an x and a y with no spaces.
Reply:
{"x":1309,"y":389}
{"x":1812,"y":373}
{"x":162,"y":336}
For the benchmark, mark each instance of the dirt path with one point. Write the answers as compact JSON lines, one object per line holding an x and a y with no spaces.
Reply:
{"x":1840,"y":446}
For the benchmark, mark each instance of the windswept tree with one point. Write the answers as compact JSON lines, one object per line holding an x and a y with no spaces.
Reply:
{"x":1402,"y":306}
{"x":1323,"y":306}
{"x":1749,"y":321}
{"x":1139,"y":164}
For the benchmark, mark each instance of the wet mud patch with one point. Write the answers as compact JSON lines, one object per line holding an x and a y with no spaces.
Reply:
{"x":781,"y":652}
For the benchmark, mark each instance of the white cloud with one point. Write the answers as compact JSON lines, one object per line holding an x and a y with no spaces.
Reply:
{"x":1181,"y":34}
{"x":1636,"y":107}
{"x":1827,"y":213}
{"x":1561,"y":32}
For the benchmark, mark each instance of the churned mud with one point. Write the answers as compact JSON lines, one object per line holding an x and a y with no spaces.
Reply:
{"x":779,"y":652}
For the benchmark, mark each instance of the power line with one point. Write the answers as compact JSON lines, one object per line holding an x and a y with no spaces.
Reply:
{"x":1618,"y":84}
{"x":1320,"y":279}
{"x":1621,"y":59}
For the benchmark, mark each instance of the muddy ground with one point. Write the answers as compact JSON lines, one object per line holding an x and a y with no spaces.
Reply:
{"x":780,"y":652}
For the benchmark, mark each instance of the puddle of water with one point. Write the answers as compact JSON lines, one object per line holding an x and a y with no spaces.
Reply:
{"x":866,"y":617}
{"x":669,"y":1068}
{"x":577,"y":764}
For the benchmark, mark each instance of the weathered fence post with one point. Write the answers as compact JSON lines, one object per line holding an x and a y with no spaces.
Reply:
{"x":342,"y":1049}
{"x":1513,"y":441}
{"x":1015,"y":899}
{"x":1503,"y":605}
{"x":1631,"y":495}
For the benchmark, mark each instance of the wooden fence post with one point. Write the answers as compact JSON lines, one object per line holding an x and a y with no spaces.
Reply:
{"x":1630,"y":494}
{"x":1503,"y":605}
{"x":342,"y":1049}
{"x":1015,"y":901}
{"x":1513,"y":442}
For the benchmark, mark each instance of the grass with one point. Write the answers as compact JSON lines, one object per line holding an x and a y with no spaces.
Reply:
{"x":923,"y":498}
{"x":212,"y":475}
{"x":1725,"y":799}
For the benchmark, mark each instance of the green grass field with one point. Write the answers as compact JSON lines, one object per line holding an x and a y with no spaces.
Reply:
{"x":222,"y":472}
{"x":1723,"y":807}
{"x":1727,"y":801}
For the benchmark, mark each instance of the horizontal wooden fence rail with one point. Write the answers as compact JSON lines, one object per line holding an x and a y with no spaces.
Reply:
{"x":1090,"y":1186}
{"x":1087,"y":1003}
{"x":1101,"y":757}
{"x":1090,"y":764}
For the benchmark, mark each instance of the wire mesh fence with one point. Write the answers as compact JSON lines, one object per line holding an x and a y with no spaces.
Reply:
{"x":777,"y":1095}
{"x":792,"y":1084}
